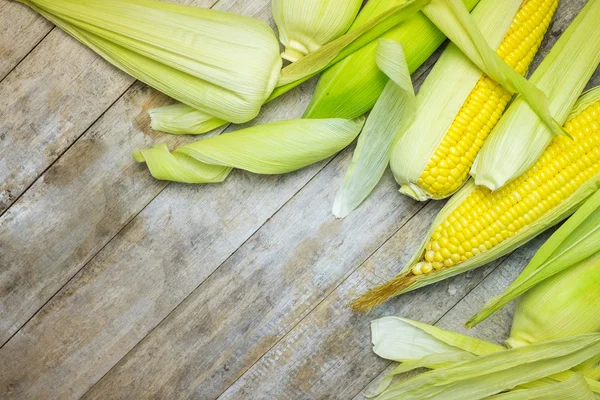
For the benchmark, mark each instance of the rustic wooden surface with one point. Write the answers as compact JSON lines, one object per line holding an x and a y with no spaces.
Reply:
{"x":114,"y":285}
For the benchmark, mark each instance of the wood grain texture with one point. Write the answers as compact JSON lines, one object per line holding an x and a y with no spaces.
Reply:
{"x":328,"y":354}
{"x":21,"y":29}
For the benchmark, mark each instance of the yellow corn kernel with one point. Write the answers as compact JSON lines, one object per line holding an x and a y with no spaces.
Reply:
{"x":486,"y":103}
{"x":502,"y":214}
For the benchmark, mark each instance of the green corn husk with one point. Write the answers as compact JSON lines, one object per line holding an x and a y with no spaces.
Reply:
{"x":575,"y":388}
{"x":306,"y":25}
{"x":274,"y":148}
{"x":520,"y":138}
{"x":342,"y":93}
{"x":576,"y":240}
{"x":405,"y":281}
{"x":375,"y":143}
{"x":181,"y":119}
{"x":223,"y":64}
{"x":494,"y":373}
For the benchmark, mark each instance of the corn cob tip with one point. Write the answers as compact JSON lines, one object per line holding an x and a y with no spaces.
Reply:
{"x":382,"y":293}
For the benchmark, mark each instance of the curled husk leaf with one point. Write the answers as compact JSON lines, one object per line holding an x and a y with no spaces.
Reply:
{"x":274,"y":148}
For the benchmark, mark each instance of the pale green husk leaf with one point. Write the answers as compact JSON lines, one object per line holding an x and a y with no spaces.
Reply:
{"x":181,"y":119}
{"x":566,"y":304}
{"x":395,"y":107}
{"x":223,"y":64}
{"x":576,"y":388}
{"x":273,"y":148}
{"x":519,"y":138}
{"x":306,"y":25}
{"x":342,"y":93}
{"x":440,"y":99}
{"x":497,"y":372}
{"x":576,"y":240}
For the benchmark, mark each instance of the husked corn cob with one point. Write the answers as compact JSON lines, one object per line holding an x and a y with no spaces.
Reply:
{"x":478,"y":225}
{"x":447,"y":165}
{"x":488,"y":218}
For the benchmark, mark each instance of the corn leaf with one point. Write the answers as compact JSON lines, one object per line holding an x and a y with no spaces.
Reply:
{"x":394,"y":109}
{"x":181,"y":119}
{"x":494,"y":373}
{"x":575,"y":388}
{"x":452,"y":18}
{"x":576,"y":240}
{"x":274,"y":148}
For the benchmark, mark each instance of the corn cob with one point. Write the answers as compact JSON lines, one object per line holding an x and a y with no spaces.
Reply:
{"x":343,"y":93}
{"x":433,"y":157}
{"x":478,"y":226}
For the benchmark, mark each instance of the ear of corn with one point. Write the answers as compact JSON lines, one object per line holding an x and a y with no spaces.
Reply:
{"x":477,"y":226}
{"x":433,"y":157}
{"x":374,"y":146}
{"x":222,"y":64}
{"x":575,"y":388}
{"x":342,"y":93}
{"x":306,"y":25}
{"x":455,"y":21}
{"x":519,"y":138}
{"x":274,"y":148}
{"x":490,"y":374}
{"x":576,"y":240}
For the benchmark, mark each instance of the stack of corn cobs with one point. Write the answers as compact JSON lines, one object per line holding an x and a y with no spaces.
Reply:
{"x":517,"y":156}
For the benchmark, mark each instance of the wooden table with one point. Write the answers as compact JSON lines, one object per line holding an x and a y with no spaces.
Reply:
{"x":115,"y":285}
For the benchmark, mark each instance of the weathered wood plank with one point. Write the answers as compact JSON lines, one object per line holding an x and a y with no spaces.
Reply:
{"x":21,"y":29}
{"x":261,"y":292}
{"x":92,"y":193}
{"x":328,"y":354}
{"x":49,"y":100}
{"x":140,"y":277}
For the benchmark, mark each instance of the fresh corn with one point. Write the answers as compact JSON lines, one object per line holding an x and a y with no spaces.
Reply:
{"x":519,"y":138}
{"x":478,"y":226}
{"x":222,"y":64}
{"x":433,"y":157}
{"x":306,"y":25}
{"x":343,"y":93}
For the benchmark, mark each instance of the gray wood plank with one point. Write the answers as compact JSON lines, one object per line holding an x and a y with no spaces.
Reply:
{"x":262,"y":291}
{"x":21,"y":29}
{"x":140,"y":277}
{"x":49,"y":100}
{"x":83,"y":201}
{"x":328,"y":354}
